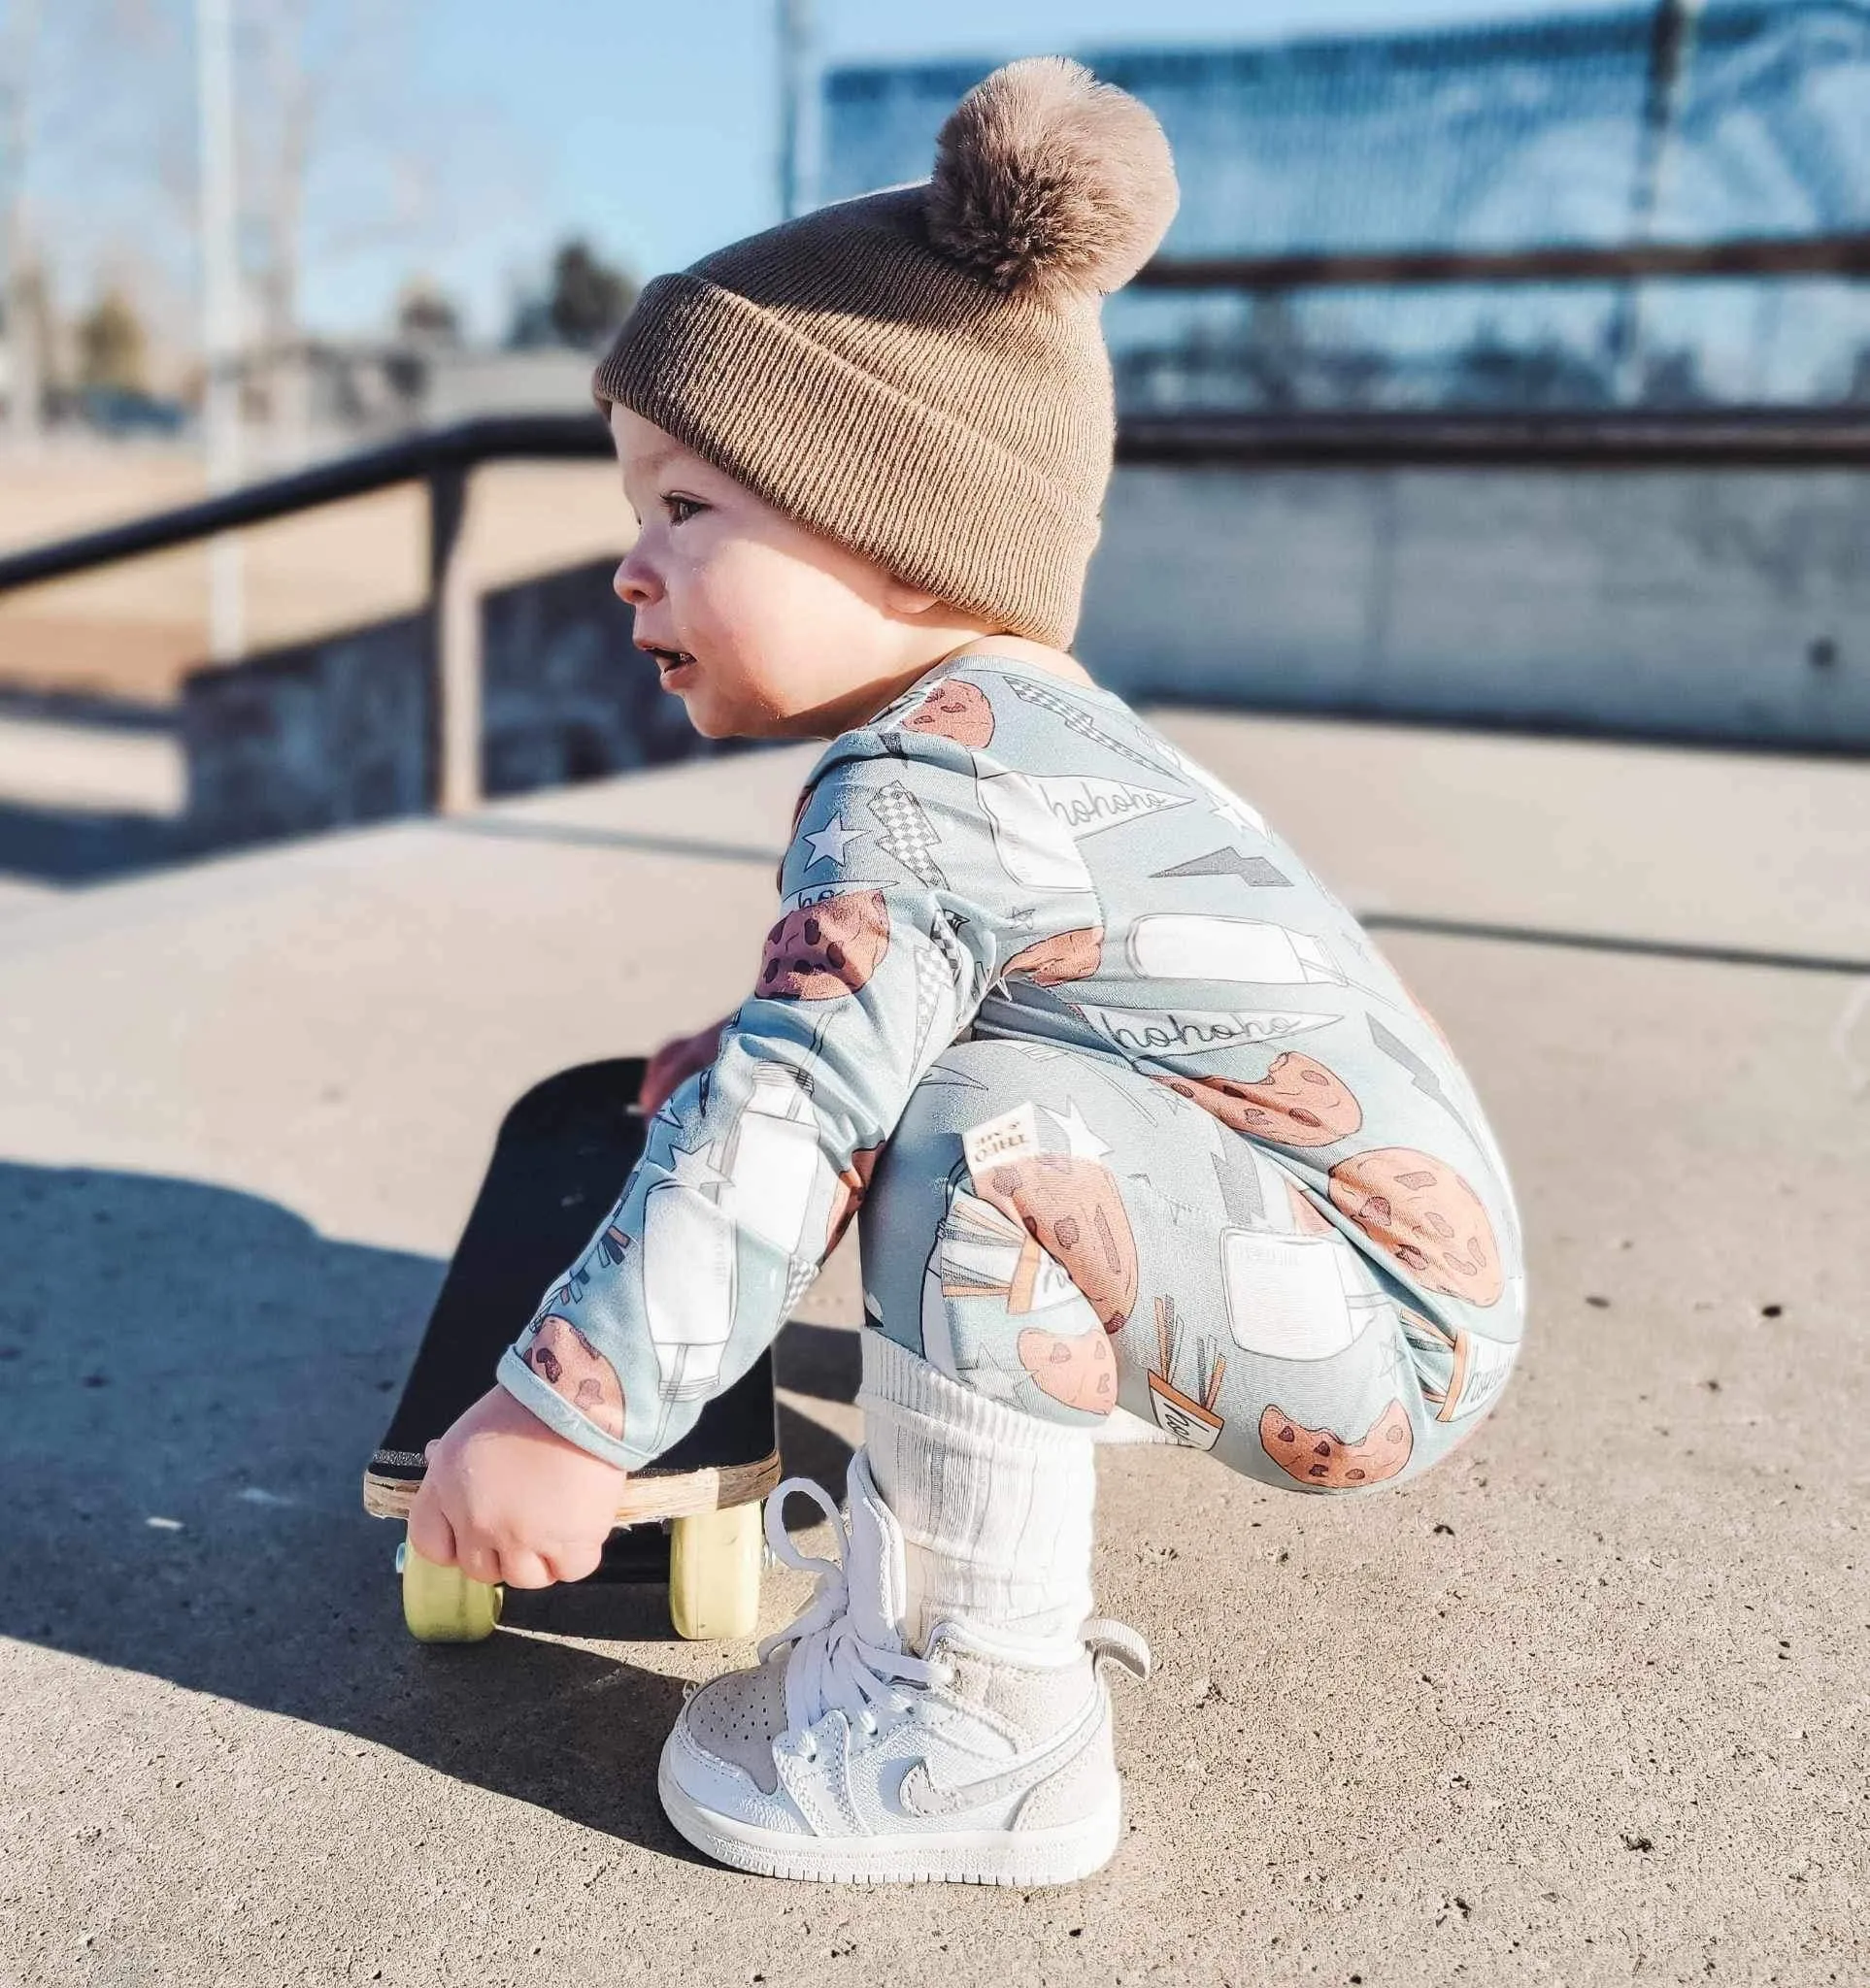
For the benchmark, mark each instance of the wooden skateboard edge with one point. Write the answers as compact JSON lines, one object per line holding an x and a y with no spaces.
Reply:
{"x":645,"y":1498}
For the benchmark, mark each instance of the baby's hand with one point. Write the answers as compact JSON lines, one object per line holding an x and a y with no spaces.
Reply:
{"x":677,"y":1060}
{"x":507,"y":1498}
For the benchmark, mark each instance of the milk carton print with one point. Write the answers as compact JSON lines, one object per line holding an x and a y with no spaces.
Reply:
{"x":772,"y":1161}
{"x":1032,"y":849}
{"x":1191,"y":945}
{"x":689,"y":1275}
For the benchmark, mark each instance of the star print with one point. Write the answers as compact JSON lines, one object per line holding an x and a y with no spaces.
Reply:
{"x":1229,"y":807}
{"x":1081,"y":1142}
{"x":694,"y":1166}
{"x":829,"y":844}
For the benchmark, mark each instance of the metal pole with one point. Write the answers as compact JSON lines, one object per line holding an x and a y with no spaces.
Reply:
{"x":796,"y":99}
{"x":19,"y":289}
{"x":454,"y":649}
{"x":1671,"y":48}
{"x":221,"y":312}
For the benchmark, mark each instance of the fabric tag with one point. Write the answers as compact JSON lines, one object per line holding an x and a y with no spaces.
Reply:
{"x":1013,"y":1136}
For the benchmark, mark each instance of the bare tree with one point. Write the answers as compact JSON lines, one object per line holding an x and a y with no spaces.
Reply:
{"x":341,"y":157}
{"x":84,"y":87}
{"x":112,"y":345}
{"x":349,"y":157}
{"x":276,"y":144}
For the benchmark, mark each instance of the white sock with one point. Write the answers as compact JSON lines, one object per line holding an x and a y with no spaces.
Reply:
{"x":994,"y":1504}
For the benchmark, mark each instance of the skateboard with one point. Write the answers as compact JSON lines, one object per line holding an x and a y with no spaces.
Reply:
{"x":692,"y":1516}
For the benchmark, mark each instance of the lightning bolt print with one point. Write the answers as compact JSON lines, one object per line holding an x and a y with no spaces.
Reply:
{"x":904,"y":831}
{"x":1255,"y":872}
{"x":1425,"y":1079}
{"x":1076,"y":720}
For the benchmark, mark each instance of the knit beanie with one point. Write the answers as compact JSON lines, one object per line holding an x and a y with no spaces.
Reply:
{"x":919,"y":372}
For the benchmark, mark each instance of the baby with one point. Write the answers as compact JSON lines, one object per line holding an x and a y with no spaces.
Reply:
{"x":1136,"y":1120}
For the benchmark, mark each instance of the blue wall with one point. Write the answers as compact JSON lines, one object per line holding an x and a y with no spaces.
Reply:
{"x":1499,"y":137}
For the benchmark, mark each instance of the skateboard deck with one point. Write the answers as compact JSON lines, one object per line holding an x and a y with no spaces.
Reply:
{"x":564,"y":1154}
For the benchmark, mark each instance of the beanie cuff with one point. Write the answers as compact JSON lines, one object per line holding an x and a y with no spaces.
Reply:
{"x":852,"y":457}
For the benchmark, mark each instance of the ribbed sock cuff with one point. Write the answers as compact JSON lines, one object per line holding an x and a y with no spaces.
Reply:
{"x":994,"y":1506}
{"x":896,"y":1380}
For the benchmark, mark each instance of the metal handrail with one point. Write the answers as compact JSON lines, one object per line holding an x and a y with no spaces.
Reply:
{"x":410,"y":458}
{"x":1713,"y":437}
{"x":444,"y":458}
{"x":441,"y":458}
{"x":1844,"y":255}
{"x":1655,"y":439}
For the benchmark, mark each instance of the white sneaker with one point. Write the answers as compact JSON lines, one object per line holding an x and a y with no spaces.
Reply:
{"x":844,"y":1758}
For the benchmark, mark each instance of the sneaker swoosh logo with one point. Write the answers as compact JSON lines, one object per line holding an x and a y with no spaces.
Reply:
{"x":919,"y":1794}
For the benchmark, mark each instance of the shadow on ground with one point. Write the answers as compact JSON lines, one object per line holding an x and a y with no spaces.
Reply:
{"x":194,"y":1379}
{"x":80,"y":846}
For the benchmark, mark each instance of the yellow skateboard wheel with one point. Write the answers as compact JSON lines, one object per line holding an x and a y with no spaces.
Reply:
{"x":714,"y":1574}
{"x":441,"y":1605}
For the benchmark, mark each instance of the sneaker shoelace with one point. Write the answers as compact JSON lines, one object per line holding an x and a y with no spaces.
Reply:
{"x":831,"y":1666}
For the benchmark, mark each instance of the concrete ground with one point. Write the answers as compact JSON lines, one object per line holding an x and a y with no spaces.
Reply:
{"x":1588,"y":1703}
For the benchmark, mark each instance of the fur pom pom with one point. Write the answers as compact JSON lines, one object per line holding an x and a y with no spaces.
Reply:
{"x":1047,"y":181}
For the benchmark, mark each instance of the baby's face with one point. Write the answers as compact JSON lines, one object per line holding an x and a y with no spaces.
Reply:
{"x":762,"y":627}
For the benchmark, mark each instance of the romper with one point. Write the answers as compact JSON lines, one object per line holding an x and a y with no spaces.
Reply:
{"x":1129,"y":1107}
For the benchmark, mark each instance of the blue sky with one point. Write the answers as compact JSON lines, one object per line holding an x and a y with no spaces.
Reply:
{"x":653,"y":129}
{"x":460,"y":140}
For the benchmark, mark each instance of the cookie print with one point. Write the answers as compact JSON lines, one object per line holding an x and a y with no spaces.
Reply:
{"x":1420,"y":1211}
{"x":567,"y":1362}
{"x":1064,"y":956}
{"x":1078,"y":1372}
{"x":1299,"y":1102}
{"x":825,"y":950}
{"x":1322,"y":1458}
{"x":955,"y":710}
{"x":1073,"y":1210}
{"x":983,"y":1252}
